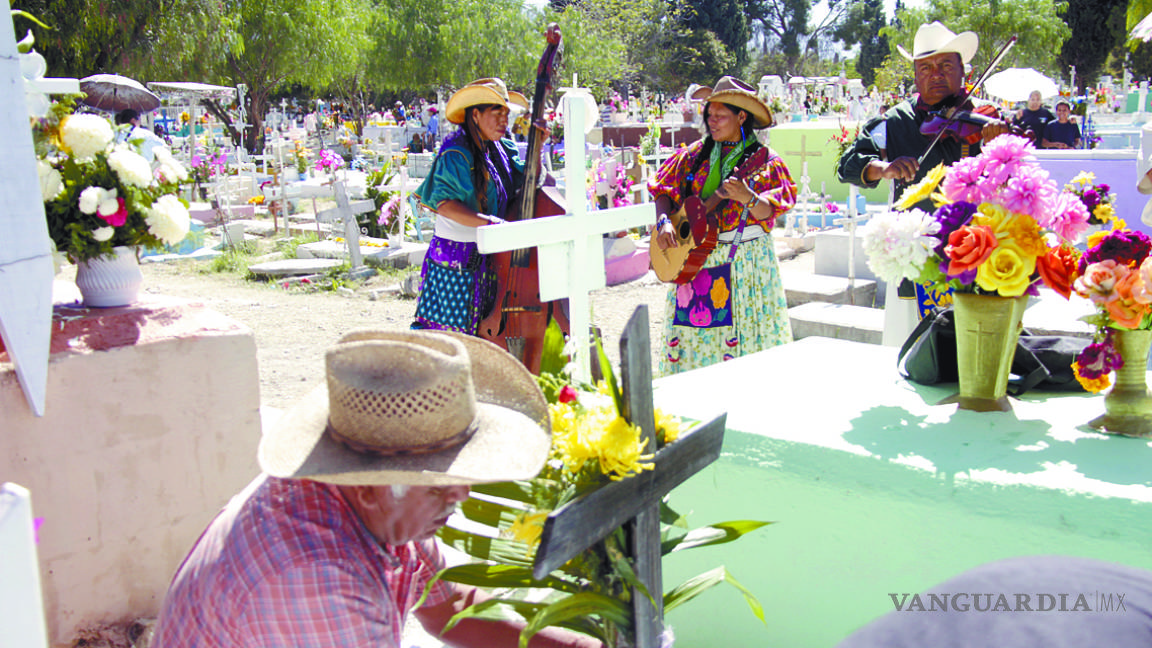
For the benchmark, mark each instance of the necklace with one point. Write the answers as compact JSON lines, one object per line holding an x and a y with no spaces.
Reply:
{"x":723,"y":143}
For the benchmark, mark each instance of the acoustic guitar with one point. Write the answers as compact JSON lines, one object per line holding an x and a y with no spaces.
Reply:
{"x":696,"y":230}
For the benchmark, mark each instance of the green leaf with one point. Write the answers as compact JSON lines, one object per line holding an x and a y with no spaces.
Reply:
{"x":497,"y":576}
{"x":495,"y":609}
{"x":552,"y":360}
{"x":486,"y":548}
{"x":577,"y":606}
{"x":695,"y":586}
{"x":24,"y":14}
{"x":715,"y":534}
{"x":520,"y":491}
{"x":609,"y":376}
{"x":493,"y":514}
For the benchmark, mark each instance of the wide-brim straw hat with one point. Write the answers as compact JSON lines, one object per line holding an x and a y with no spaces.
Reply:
{"x":480,"y":92}
{"x":732,"y":91}
{"x":416,"y":408}
{"x":934,"y":38}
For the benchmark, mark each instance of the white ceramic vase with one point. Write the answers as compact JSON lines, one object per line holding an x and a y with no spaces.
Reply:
{"x":110,"y":281}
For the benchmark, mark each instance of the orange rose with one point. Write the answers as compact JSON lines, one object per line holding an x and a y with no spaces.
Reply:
{"x":1058,"y":269}
{"x":968,"y":247}
{"x":1126,"y":311}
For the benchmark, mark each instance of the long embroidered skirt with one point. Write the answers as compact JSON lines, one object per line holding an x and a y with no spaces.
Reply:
{"x":759,"y":312}
{"x":456,"y":287}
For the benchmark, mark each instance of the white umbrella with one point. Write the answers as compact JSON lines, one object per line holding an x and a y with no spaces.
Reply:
{"x":1015,"y":84}
{"x":1143,"y":29}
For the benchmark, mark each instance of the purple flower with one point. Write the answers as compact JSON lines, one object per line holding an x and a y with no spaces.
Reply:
{"x":1091,"y":199}
{"x":1099,"y":359}
{"x":1126,"y":247}
{"x":1103,"y":188}
{"x":951,"y":218}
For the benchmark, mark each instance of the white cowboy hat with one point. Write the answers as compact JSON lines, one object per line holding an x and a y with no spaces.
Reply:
{"x":934,"y":38}
{"x":483,"y":91}
{"x":413,"y":407}
{"x":733,"y":91}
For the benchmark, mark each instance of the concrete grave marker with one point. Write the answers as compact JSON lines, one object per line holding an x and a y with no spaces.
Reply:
{"x":571,"y":255}
{"x":26,"y":268}
{"x":21,"y":602}
{"x":346,"y":211}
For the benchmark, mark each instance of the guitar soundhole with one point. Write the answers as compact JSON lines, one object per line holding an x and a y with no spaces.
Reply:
{"x":685,"y":230}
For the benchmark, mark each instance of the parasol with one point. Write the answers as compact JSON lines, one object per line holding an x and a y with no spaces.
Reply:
{"x":114,"y":93}
{"x":1015,"y":84}
{"x":1143,"y":29}
{"x":192,"y":90}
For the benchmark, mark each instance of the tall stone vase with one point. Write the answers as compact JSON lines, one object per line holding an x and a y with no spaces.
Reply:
{"x":987,"y":329}
{"x":110,"y":281}
{"x":1128,"y":406}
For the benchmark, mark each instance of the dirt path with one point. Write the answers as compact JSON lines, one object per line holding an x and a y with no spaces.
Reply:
{"x":293,"y":328}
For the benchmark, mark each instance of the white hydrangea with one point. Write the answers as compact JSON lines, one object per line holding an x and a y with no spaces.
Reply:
{"x":90,"y":199}
{"x":168,"y":219}
{"x":86,"y":135}
{"x":170,"y":170}
{"x":898,"y":244}
{"x":51,"y":182}
{"x":102,"y":233}
{"x":131,"y":167}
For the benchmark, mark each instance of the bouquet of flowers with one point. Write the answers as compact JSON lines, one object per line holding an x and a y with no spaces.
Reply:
{"x":329,"y":161}
{"x":1115,"y":273}
{"x":100,"y":193}
{"x":1096,"y":198}
{"x":844,"y":139}
{"x":592,"y":443}
{"x":1000,"y":228}
{"x":618,"y":186}
{"x":300,"y":154}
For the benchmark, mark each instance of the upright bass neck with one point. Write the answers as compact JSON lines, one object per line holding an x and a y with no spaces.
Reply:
{"x":535,"y":137}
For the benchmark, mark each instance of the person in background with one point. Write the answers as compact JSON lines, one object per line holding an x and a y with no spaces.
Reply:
{"x":398,"y":113}
{"x":433,"y":132}
{"x":473,"y":180}
{"x":333,"y":545}
{"x":890,"y":146}
{"x":416,"y":144}
{"x":736,"y":304}
{"x":1034,"y":116}
{"x":146,"y":140}
{"x":1061,"y":133}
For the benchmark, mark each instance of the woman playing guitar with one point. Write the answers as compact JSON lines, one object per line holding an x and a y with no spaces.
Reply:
{"x":735,"y":304}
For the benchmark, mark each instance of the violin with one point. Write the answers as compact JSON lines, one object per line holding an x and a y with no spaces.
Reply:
{"x":965,"y":121}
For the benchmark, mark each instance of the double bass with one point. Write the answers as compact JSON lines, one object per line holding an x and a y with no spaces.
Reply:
{"x":518,"y":318}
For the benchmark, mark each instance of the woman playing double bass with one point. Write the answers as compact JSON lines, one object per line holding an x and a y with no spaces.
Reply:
{"x":474,"y":177}
{"x":735,"y":305}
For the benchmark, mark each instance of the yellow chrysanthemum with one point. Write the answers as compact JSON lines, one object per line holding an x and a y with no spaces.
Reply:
{"x":1008,"y":270}
{"x":719,"y":293}
{"x":1104,"y":212}
{"x":1119,"y":223}
{"x":527,"y":528}
{"x":668,"y":427}
{"x":921,"y":190}
{"x":1093,"y":385}
{"x":620,"y":450}
{"x":1020,"y":230}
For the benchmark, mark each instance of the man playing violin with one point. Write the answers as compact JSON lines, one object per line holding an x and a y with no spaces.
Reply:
{"x":890,"y":146}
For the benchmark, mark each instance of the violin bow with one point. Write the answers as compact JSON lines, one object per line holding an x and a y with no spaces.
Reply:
{"x":954,"y":112}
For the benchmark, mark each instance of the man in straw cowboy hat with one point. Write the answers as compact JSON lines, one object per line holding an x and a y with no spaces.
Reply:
{"x":333,"y":545}
{"x":889,"y":146}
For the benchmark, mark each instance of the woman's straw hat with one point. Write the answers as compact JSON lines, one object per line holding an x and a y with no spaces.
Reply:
{"x":413,"y":407}
{"x":483,"y":91}
{"x":732,"y":91}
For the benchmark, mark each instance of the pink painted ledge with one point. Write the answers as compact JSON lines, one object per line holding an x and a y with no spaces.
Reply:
{"x":153,"y":318}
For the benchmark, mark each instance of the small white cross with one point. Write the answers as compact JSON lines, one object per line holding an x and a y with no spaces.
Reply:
{"x":347,"y":211}
{"x":570,"y":252}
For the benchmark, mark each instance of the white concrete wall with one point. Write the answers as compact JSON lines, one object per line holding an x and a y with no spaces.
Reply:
{"x":142,"y":443}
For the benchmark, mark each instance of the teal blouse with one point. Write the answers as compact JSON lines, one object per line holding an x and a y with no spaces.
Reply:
{"x":451,"y":178}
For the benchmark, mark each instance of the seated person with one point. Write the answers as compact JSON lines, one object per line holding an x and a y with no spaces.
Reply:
{"x":146,"y":139}
{"x":334,"y":544}
{"x":1061,"y":134}
{"x":416,"y":144}
{"x":1034,"y":116}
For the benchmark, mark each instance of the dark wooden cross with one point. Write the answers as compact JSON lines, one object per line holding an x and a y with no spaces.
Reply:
{"x":634,"y":501}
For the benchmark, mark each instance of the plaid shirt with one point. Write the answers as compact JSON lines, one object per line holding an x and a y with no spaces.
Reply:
{"x":288,"y":563}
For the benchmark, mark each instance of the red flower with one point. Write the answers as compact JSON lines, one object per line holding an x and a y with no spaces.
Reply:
{"x":968,"y":247}
{"x":567,"y":394}
{"x":1058,"y":269}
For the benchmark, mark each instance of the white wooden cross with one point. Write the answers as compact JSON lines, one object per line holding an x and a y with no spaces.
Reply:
{"x":21,"y":603}
{"x":571,"y":255}
{"x":347,"y":211}
{"x":26,"y":268}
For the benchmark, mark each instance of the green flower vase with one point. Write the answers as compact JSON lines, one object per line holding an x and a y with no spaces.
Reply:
{"x":1128,"y":406}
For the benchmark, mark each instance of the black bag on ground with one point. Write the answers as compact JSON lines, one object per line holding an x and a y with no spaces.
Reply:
{"x":1044,"y":362}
